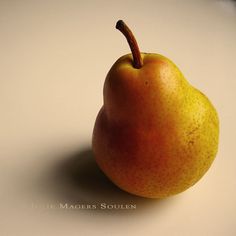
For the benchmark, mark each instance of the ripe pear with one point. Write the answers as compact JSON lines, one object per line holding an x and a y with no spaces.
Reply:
{"x":155,"y":135}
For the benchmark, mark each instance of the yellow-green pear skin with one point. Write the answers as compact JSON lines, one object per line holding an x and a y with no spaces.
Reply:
{"x":155,"y":135}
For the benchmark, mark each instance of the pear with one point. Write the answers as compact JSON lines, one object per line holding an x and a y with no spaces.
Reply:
{"x":155,"y":135}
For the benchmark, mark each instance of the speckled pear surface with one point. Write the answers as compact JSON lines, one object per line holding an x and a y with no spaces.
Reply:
{"x":155,"y":135}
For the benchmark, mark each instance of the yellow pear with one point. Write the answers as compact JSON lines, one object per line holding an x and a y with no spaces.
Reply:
{"x":155,"y":135}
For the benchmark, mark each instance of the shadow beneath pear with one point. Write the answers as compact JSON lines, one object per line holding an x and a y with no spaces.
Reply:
{"x":77,"y":179}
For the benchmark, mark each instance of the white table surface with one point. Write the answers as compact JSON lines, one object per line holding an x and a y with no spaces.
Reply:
{"x":54,"y":56}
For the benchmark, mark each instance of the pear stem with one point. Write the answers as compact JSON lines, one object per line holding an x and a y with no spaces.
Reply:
{"x":124,"y":29}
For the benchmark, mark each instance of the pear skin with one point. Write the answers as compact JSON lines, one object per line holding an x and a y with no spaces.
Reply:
{"x":156,"y":135}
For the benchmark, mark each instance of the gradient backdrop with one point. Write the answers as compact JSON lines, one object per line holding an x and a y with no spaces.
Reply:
{"x":54,"y":56}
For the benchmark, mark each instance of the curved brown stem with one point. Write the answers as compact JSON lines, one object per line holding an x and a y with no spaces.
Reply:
{"x":124,"y":29}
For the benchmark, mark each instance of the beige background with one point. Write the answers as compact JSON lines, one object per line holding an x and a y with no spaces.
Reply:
{"x":54,"y":56}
